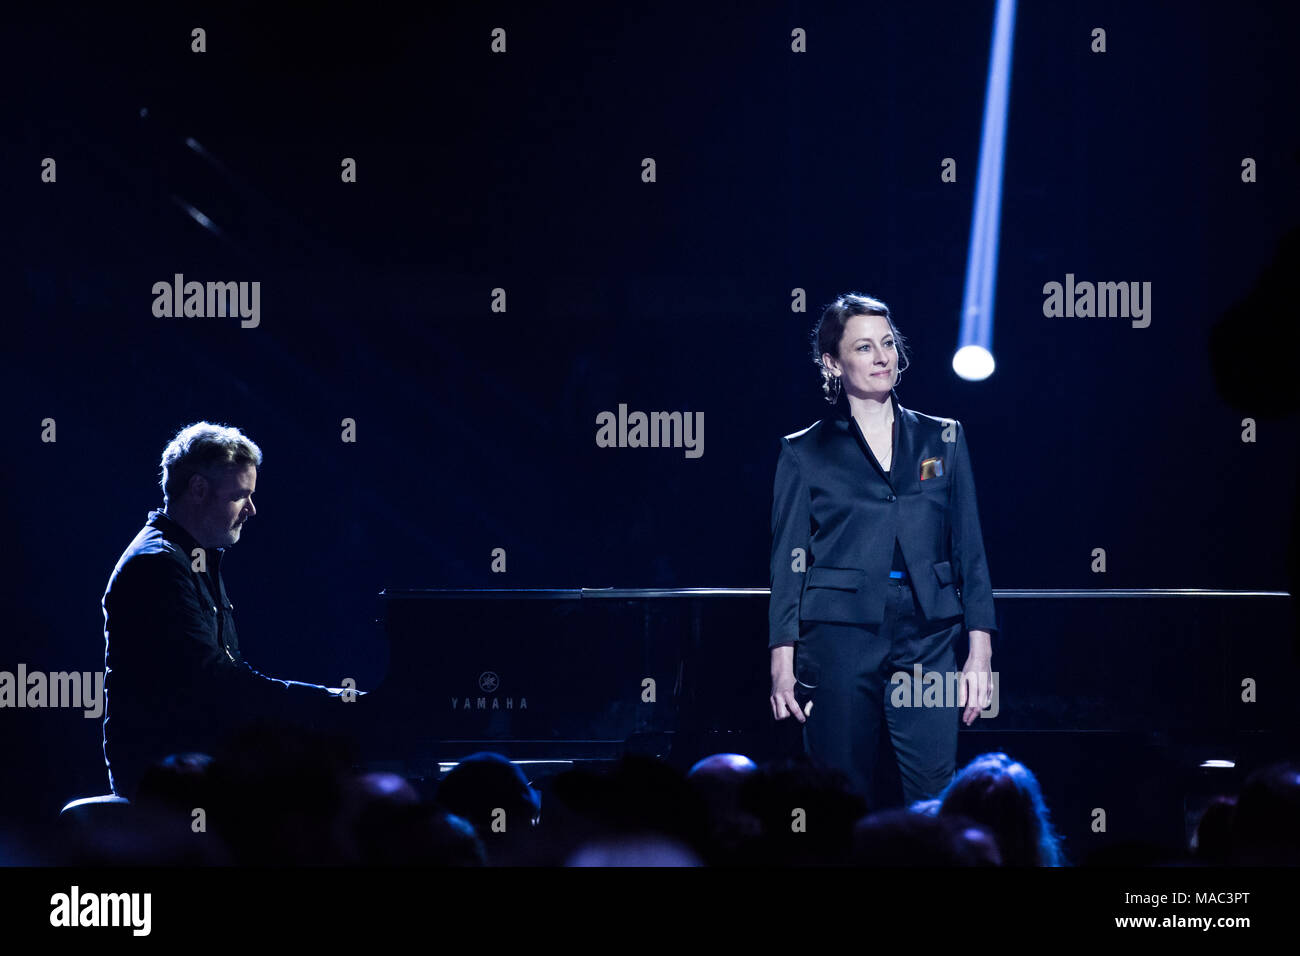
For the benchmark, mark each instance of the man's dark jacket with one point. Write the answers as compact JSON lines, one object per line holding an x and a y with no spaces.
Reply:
{"x":174,"y":678}
{"x":834,"y":505}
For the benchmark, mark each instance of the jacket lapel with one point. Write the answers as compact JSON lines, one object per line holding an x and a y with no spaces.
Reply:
{"x":903,"y":464}
{"x":899,"y":466}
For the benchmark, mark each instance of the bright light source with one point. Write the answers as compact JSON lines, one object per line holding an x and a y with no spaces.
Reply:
{"x":973,"y":363}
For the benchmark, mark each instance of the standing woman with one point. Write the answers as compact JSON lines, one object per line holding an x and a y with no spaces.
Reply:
{"x":877,"y":567}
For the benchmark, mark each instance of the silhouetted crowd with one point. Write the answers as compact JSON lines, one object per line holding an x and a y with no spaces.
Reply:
{"x":281,"y":795}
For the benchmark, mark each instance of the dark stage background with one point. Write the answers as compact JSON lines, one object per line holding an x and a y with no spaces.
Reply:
{"x":521,"y":171}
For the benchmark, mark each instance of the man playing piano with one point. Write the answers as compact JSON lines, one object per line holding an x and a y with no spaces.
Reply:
{"x":174,"y":678}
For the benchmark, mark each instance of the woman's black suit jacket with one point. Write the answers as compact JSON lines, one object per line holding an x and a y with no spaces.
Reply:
{"x":836,"y":512}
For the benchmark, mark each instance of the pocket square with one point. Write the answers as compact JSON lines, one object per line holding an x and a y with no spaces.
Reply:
{"x":931,"y":468}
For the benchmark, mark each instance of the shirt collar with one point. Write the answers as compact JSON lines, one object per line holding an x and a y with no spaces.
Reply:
{"x":844,"y":415}
{"x":174,"y":532}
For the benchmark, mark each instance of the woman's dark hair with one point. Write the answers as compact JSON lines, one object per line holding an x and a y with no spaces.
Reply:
{"x":829,"y":331}
{"x":1003,"y":796}
{"x":1266,"y":820}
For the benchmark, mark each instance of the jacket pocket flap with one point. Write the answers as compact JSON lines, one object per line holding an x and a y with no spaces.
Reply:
{"x":843,"y":579}
{"x":943,"y":570}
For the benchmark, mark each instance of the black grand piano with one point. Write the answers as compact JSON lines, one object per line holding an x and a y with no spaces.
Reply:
{"x":561,"y":674}
{"x":1148,"y":684}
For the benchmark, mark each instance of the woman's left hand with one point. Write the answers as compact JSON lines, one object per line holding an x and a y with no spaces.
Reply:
{"x":977,"y":674}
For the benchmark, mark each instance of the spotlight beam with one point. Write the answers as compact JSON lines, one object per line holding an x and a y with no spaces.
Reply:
{"x":973,"y":359}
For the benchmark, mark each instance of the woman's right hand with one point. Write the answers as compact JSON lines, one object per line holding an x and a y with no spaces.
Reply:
{"x":782,"y":700}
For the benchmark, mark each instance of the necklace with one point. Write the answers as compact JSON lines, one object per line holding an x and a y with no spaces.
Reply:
{"x":888,"y":459}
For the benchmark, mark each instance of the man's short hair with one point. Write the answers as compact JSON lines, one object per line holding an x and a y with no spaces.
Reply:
{"x":204,"y":449}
